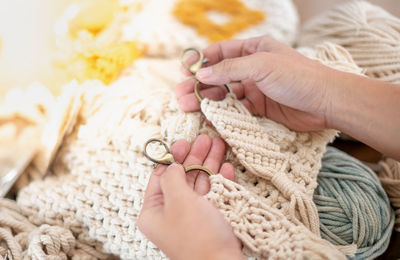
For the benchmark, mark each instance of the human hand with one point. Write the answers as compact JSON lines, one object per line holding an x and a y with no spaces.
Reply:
{"x":176,"y":217}
{"x":271,"y":80}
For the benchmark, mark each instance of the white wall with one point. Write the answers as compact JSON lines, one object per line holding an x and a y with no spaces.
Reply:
{"x":26,"y":34}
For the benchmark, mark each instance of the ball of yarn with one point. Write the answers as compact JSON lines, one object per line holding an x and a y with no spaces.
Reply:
{"x":352,"y":205}
{"x":389,"y":176}
{"x":368,"y":32}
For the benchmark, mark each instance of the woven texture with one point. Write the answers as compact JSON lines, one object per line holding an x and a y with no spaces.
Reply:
{"x":100,"y":173}
{"x":164,"y":35}
{"x":287,"y":168}
{"x":23,"y":240}
{"x":264,"y":231}
{"x":368,"y":32}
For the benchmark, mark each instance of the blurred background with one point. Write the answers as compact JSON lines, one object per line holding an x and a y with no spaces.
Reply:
{"x":27,"y":42}
{"x":27,"y":38}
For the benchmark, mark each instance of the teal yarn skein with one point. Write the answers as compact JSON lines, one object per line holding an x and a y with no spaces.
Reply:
{"x":353,"y":207}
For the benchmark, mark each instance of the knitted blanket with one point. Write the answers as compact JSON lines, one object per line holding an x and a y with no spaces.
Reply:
{"x":97,"y":180}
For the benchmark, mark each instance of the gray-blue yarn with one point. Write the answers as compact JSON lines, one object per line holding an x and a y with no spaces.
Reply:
{"x":352,"y":205}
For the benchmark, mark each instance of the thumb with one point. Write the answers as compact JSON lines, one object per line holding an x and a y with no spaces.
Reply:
{"x":173,"y":183}
{"x":256,"y":67}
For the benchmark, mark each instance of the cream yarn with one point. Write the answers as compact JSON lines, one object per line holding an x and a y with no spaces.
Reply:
{"x":23,"y":240}
{"x":287,"y":163}
{"x":389,"y":175}
{"x":163,"y":35}
{"x":264,"y":231}
{"x":100,"y":173}
{"x":368,"y":32}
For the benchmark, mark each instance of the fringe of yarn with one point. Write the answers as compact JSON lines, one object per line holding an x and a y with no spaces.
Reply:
{"x":390,"y":179}
{"x":368,"y":32}
{"x":352,"y":205}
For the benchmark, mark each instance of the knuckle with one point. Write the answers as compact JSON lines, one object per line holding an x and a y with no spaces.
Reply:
{"x":227,"y":65}
{"x":263,"y":61}
{"x":268,"y":38}
{"x":262,"y":56}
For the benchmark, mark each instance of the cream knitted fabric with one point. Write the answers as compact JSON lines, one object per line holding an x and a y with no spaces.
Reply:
{"x":163,"y":35}
{"x":101,"y":173}
{"x":369,"y":33}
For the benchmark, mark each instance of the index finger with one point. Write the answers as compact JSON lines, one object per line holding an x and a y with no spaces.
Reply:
{"x":222,"y":50}
{"x":238,"y":48}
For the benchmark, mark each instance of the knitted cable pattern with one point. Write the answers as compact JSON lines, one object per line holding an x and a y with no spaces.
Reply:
{"x":100,"y":174}
{"x":165,"y":35}
{"x":368,"y":32}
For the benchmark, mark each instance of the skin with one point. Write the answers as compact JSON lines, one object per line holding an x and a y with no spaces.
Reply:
{"x":271,"y":80}
{"x":176,"y":217}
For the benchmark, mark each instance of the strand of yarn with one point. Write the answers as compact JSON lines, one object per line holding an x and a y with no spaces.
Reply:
{"x":390,"y":179}
{"x":368,"y":32}
{"x":353,"y":207}
{"x":20,"y":239}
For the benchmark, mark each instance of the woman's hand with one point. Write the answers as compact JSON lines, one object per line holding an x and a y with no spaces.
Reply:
{"x":275,"y":81}
{"x":270,"y":78}
{"x":175,"y":216}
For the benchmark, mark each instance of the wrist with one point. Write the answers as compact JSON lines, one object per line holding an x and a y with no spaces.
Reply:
{"x":337,"y":103}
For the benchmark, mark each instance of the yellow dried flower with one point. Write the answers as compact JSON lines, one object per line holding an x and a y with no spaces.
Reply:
{"x":194,"y":13}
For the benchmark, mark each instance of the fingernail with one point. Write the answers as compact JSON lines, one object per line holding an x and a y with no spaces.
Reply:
{"x":204,"y":73}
